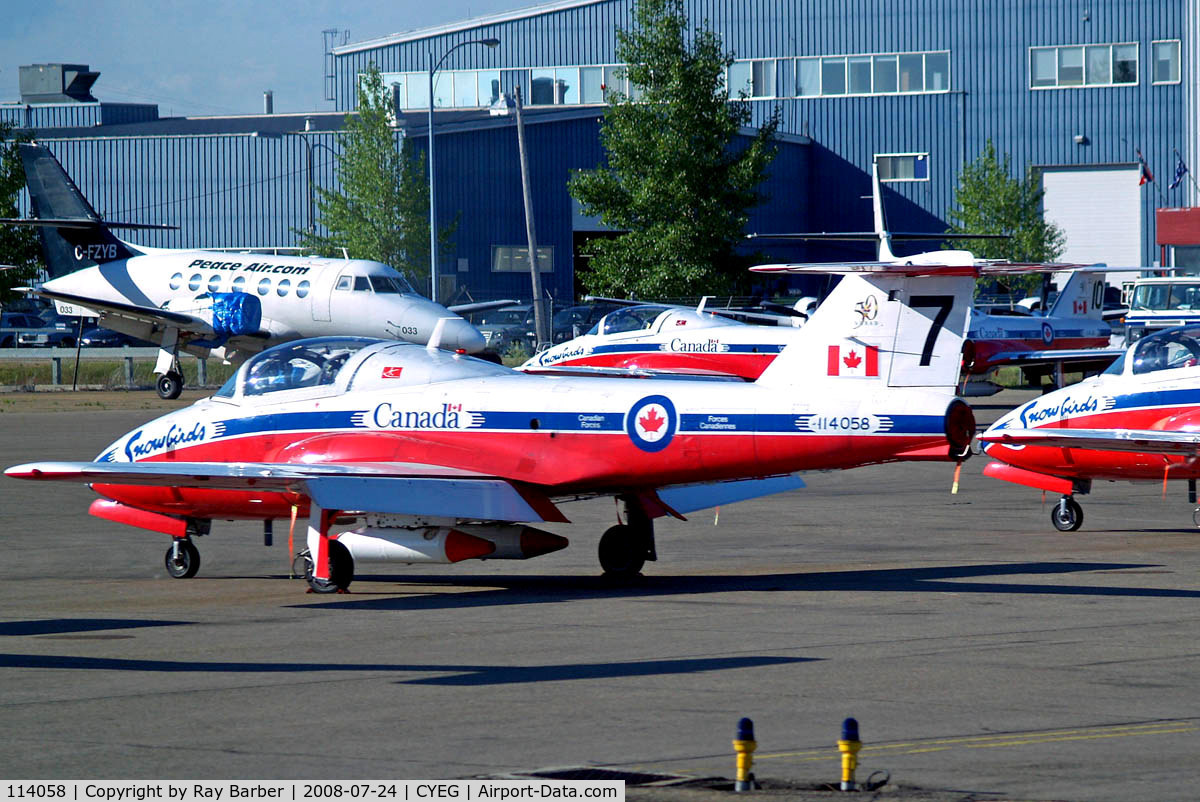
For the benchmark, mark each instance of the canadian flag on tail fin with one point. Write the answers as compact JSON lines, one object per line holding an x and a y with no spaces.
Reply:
{"x":853,"y":359}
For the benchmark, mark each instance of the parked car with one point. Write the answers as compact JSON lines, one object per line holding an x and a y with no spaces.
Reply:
{"x":98,"y":337}
{"x":502,"y":328}
{"x":51,"y":334}
{"x":22,"y":329}
{"x":573,"y":321}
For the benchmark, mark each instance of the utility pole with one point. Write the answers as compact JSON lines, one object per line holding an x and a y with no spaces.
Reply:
{"x":540,"y":323}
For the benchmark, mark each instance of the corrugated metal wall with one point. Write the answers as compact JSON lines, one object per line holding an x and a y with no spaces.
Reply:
{"x":989,"y":79}
{"x":76,"y":115}
{"x":235,"y":191}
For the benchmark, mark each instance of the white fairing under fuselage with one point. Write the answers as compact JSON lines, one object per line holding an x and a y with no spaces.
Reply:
{"x":299,"y":297}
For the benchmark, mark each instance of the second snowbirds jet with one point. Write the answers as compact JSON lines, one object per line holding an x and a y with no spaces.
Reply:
{"x":221,"y":303}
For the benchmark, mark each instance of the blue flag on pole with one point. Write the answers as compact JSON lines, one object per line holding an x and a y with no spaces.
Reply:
{"x":1180,"y":171}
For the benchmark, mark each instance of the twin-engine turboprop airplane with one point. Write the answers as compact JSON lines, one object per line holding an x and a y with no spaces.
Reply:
{"x":223,"y":303}
{"x":1139,"y":420}
{"x":442,"y":457}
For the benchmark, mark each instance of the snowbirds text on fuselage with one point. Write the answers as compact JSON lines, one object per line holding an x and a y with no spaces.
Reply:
{"x":221,"y":303}
{"x":444,"y":457}
{"x":1138,"y":421}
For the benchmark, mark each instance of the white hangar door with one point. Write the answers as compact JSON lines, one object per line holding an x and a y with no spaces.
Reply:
{"x":1100,"y":211}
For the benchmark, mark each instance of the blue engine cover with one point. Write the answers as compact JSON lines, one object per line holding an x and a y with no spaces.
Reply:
{"x":235,"y":313}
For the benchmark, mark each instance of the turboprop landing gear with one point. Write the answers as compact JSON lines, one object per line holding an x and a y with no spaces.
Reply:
{"x":170,"y":377}
{"x":169,"y":385}
{"x":625,"y":548}
{"x":182,"y":559}
{"x":1067,"y":515}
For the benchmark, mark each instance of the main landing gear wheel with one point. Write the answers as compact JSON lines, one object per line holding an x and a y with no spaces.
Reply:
{"x":623,"y":551}
{"x":1067,"y":515}
{"x":341,"y":571}
{"x":186,"y":563}
{"x":169,"y":386}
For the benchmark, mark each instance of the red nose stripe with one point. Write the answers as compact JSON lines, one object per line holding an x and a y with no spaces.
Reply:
{"x":461,"y":546}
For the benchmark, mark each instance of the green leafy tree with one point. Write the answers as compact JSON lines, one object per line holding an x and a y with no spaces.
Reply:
{"x":381,"y":211}
{"x":19,"y":246}
{"x":677,"y":181}
{"x":989,"y":200}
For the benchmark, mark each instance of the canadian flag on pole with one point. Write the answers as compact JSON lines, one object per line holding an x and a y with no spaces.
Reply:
{"x":854,"y":359}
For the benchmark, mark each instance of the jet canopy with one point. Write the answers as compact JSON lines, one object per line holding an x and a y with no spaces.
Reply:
{"x":322,"y":366}
{"x":1167,"y":350}
{"x":656,"y":318}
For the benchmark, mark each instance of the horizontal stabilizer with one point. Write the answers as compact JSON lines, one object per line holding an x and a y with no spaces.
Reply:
{"x":689,"y":498}
{"x":76,"y":223}
{"x":1141,"y":441}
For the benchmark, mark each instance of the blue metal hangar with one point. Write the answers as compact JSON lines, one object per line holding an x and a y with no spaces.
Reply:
{"x":1093,"y":96}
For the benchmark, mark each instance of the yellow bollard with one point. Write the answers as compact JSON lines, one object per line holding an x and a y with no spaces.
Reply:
{"x":744,"y":744}
{"x":849,"y":746}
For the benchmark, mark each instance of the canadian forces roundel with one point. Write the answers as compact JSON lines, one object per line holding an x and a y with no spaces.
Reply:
{"x":651,"y":423}
{"x":1047,"y":333}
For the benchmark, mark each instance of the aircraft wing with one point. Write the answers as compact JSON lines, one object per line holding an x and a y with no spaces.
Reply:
{"x":590,"y":371}
{"x":1065,"y":356}
{"x":141,"y":314}
{"x":481,"y":306}
{"x":1142,"y":441}
{"x":394,"y":488}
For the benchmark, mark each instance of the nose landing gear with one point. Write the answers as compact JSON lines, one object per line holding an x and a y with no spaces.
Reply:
{"x":1067,"y":515}
{"x":182,"y":559}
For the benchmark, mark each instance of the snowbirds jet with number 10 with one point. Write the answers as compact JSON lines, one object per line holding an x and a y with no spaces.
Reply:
{"x":443,"y":457}
{"x":224,"y":303}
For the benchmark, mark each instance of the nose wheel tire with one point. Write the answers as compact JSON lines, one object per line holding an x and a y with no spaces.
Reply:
{"x":186,"y":563}
{"x":341,"y":571}
{"x":169,"y":386}
{"x":623,"y":551}
{"x":1067,"y":515}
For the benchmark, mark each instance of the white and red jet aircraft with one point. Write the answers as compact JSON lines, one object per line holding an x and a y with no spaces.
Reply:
{"x":444,"y":457}
{"x":1139,"y":420}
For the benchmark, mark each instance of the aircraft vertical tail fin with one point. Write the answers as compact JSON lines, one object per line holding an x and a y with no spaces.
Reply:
{"x":1081,"y":297}
{"x":891,"y":326}
{"x":73,"y":235}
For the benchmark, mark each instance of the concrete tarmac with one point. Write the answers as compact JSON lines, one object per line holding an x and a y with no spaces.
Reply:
{"x":984,"y":654}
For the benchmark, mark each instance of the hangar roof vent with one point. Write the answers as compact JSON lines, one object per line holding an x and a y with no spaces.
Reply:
{"x":57,"y":83}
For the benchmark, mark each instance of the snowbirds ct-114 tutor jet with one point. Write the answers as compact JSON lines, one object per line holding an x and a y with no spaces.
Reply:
{"x":1139,"y":420}
{"x":223,"y":303}
{"x":444,"y":457}
{"x":656,"y":337}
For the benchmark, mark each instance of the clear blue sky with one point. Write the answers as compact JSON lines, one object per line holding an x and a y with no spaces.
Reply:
{"x":201,"y":57}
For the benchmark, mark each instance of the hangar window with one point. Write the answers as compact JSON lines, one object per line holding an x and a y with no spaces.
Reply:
{"x":591,"y":85}
{"x":554,"y":87}
{"x":754,"y":78}
{"x":872,"y":74}
{"x":1165,"y":61}
{"x":903,"y":166}
{"x":1067,"y":66}
{"x":515,"y":259}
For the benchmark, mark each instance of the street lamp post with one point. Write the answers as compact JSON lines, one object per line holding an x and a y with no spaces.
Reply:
{"x":309,"y":147}
{"x":433,"y":271}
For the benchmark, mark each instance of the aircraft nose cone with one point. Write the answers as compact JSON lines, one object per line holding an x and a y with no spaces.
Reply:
{"x":460,"y":334}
